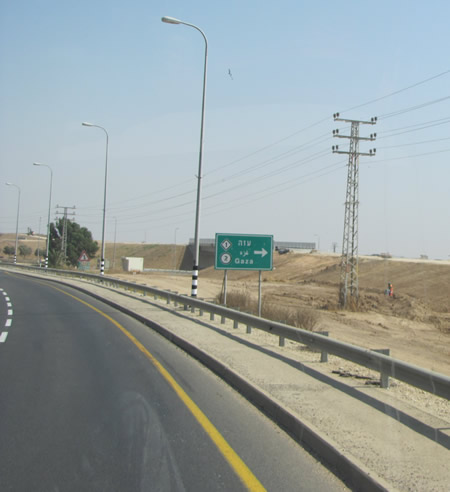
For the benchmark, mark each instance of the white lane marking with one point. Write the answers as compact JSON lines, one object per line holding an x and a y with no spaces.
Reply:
{"x":4,"y":334}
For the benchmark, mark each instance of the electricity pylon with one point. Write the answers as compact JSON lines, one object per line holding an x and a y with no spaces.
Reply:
{"x":349,"y":285}
{"x":64,"y":231}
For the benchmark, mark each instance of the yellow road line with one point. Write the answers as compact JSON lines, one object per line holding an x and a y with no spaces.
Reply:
{"x":241,"y":469}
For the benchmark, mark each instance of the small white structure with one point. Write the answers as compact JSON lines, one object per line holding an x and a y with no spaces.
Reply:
{"x":132,"y":264}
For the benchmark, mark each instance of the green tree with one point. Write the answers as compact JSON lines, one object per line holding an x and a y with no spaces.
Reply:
{"x":78,"y":239}
{"x":24,"y":250}
{"x":9,"y":250}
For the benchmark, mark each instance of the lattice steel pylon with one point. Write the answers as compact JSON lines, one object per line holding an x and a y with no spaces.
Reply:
{"x":64,"y":231}
{"x":349,"y":283}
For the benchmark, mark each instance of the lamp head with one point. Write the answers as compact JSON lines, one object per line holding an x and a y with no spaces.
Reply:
{"x":170,"y":20}
{"x":85,"y":123}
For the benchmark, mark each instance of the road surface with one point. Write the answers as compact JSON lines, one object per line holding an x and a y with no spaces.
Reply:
{"x":90,"y":399}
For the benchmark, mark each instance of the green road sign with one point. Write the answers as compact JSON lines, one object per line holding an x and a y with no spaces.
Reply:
{"x":243,"y":252}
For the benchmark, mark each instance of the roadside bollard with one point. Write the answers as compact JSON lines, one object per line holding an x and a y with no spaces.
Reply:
{"x":384,"y":378}
{"x":323,"y":353}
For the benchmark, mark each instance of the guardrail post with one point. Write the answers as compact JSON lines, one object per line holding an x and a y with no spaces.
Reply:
{"x":200,"y":312}
{"x":249,"y":329}
{"x":323,"y":353}
{"x":192,"y":309}
{"x":211,"y":316}
{"x":384,"y":378}
{"x":185,"y":307}
{"x":235,"y":324}
{"x":168,"y":300}
{"x":222,"y":320}
{"x":281,"y":342}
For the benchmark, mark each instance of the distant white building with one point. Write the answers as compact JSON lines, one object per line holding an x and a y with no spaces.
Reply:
{"x":132,"y":264}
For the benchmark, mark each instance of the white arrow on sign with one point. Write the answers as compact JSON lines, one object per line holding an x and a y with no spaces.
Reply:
{"x":263,"y":252}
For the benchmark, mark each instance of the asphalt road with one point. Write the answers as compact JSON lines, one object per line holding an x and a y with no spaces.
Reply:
{"x":91,"y":400}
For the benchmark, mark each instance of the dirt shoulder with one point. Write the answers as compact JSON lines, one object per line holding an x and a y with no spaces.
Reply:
{"x":414,"y":325}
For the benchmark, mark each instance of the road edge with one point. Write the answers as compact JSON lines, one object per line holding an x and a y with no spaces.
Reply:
{"x":354,"y":474}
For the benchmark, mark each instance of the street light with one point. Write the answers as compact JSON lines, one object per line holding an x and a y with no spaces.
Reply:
{"x":49,"y":208}
{"x":171,"y":20}
{"x":102,"y":261}
{"x":17,"y":219}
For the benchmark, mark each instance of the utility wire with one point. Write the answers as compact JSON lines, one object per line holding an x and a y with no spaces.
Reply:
{"x":412,"y":108}
{"x":429,"y":79}
{"x":446,"y":121}
{"x":276,"y":158}
{"x":410,"y":156}
{"x":413,"y":143}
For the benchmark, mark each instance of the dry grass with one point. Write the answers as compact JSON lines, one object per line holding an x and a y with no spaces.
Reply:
{"x":304,"y":318}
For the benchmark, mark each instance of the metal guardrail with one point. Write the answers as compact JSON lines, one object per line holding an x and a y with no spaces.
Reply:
{"x":430,"y":381}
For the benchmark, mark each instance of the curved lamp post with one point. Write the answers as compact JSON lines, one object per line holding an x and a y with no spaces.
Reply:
{"x":171,"y":20}
{"x":49,"y":208}
{"x":102,"y":261}
{"x":17,"y":219}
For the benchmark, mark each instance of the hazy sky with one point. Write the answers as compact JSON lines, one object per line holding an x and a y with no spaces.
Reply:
{"x":277,"y":71}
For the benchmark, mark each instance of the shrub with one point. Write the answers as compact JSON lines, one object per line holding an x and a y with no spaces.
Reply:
{"x":304,"y":318}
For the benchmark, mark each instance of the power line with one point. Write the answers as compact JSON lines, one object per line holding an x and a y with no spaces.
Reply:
{"x":236,"y":161}
{"x":413,"y":128}
{"x":116,"y":205}
{"x":290,"y":184}
{"x":429,"y":79}
{"x":411,"y":156}
{"x":412,"y":108}
{"x":302,"y":162}
{"x":279,"y":157}
{"x":413,"y":143}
